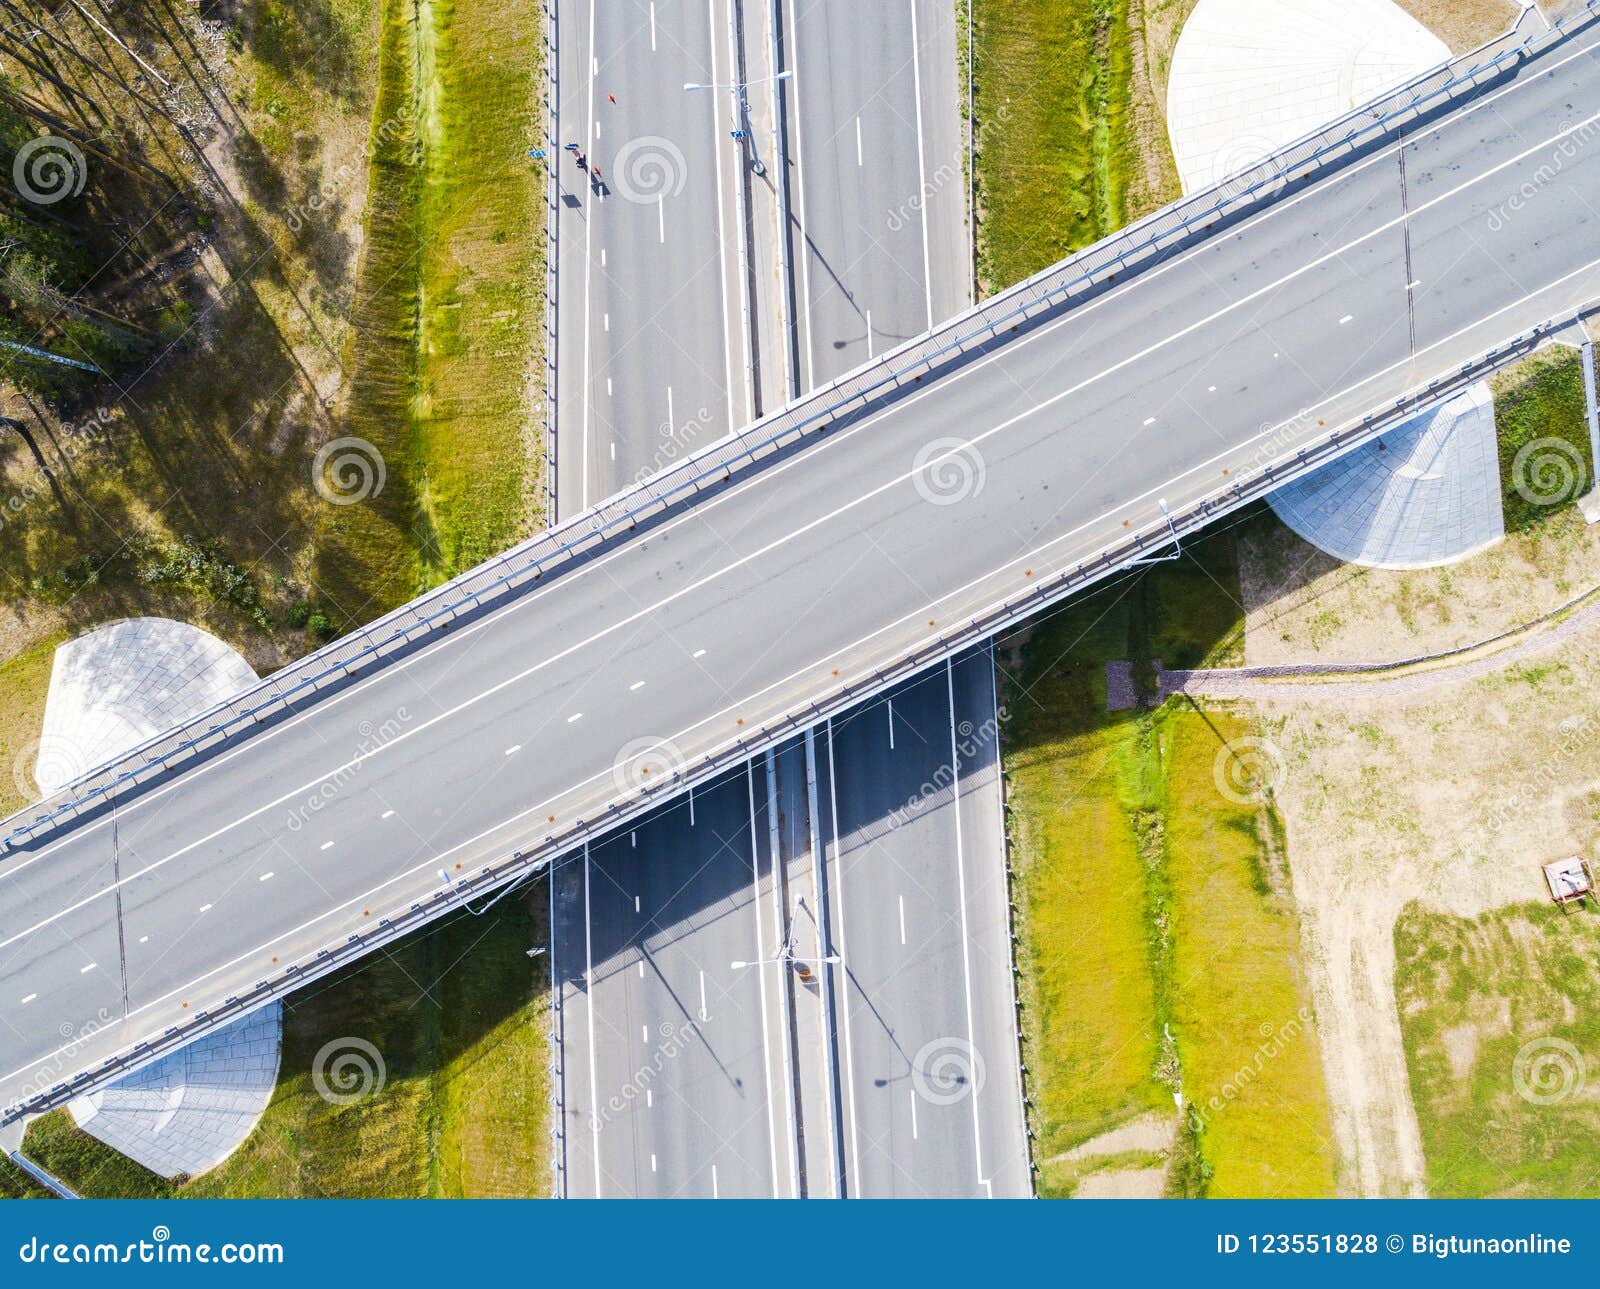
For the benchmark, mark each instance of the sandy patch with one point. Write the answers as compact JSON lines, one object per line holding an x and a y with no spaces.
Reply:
{"x":1151,"y":1133}
{"x":1128,"y":1183}
{"x":1464,"y":24}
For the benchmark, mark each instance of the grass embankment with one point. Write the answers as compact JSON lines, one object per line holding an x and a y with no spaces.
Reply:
{"x":449,"y":307}
{"x":1501,"y":1020}
{"x":1071,"y":142}
{"x":460,"y":1016}
{"x":1540,"y":412}
{"x":24,"y":682}
{"x":1156,"y":947}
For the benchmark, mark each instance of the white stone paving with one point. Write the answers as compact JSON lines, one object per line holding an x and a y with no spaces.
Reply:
{"x":1426,"y":493}
{"x":122,"y":683}
{"x":189,"y":1111}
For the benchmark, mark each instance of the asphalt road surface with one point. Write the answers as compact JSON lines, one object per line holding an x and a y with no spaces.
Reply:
{"x":919,"y":914}
{"x":648,"y":305}
{"x":881,"y":251}
{"x":796,"y":579}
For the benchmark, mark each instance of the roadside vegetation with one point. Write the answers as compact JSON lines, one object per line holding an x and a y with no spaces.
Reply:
{"x":1546,"y":460}
{"x":460,"y":1017}
{"x":1157,"y":949}
{"x":1071,"y":140}
{"x":1501,"y":1022}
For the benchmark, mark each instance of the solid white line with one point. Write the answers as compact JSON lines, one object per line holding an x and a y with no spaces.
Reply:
{"x":785,"y":1008}
{"x":922,"y":174}
{"x":761,"y":956}
{"x":844,"y":953}
{"x":588,"y":1005}
{"x":966,"y":935}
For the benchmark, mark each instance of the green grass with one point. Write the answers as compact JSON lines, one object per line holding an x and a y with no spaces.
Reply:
{"x":1246,"y":1042}
{"x":1473,"y":994}
{"x":1054,"y":130}
{"x":449,"y":306}
{"x":1542,"y":398}
{"x":24,"y":681}
{"x":1153,"y":940}
{"x":460,"y":1017}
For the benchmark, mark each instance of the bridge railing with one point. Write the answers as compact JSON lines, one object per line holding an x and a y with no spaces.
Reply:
{"x":1089,"y":272}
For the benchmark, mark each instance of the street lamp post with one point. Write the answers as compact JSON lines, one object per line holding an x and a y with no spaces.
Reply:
{"x":742,"y":107}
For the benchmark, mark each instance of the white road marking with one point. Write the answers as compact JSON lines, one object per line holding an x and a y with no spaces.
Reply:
{"x":902,"y":900}
{"x":890,"y":705}
{"x":661,"y":217}
{"x":386,"y":814}
{"x":644,"y":1032}
{"x":966,"y":933}
{"x":1212,"y":389}
{"x":691,"y":807}
{"x":29,"y":999}
{"x":1349,"y":317}
{"x":672,"y":419}
{"x":574,"y":718}
{"x":698,"y":653}
{"x":638,"y":684}
{"x":205,"y":908}
{"x":638,"y":909}
{"x":860,"y":161}
{"x":641,"y":968}
{"x":144,"y":939}
{"x":514,"y":749}
{"x":652,"y":26}
{"x":597,"y":129}
{"x":606,"y":317}
{"x":266,"y":877}
{"x":84,"y":971}
{"x":649,"y":1098}
{"x":761,"y":954}
{"x":609,"y":393}
{"x":327,"y":845}
{"x":652,"y":1163}
{"x":913,"y":1092}
{"x":633,"y":840}
{"x":602,"y":265}
{"x":613,"y":449}
{"x":1412,"y":286}
{"x":1149,"y":420}
{"x":714,"y":1194}
{"x":703,"y":1015}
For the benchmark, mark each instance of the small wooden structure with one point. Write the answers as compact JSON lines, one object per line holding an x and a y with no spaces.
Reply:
{"x":1569,"y":879}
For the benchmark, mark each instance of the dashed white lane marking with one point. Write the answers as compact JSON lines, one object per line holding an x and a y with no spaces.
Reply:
{"x":1412,"y":286}
{"x":649,"y":1098}
{"x":327,"y":845}
{"x":606,"y":319}
{"x":698,"y":653}
{"x":652,"y":26}
{"x":514,"y":749}
{"x":714,"y":1194}
{"x":386,"y":814}
{"x":652,"y":1163}
{"x":637,"y":909}
{"x":633,"y":840}
{"x":859,"y":159}
{"x":29,"y":999}
{"x":84,"y":971}
{"x":597,"y":129}
{"x":902,"y":900}
{"x":638,"y":684}
{"x":613,"y":449}
{"x":1349,"y":317}
{"x":602,"y":265}
{"x":672,"y":420}
{"x":645,"y":1032}
{"x":1211,"y":389}
{"x":891,"y":724}
{"x":576,"y":716}
{"x":913,"y":1114}
{"x":703,"y":1015}
{"x":608,"y":387}
{"x":641,"y":969}
{"x":661,"y":217}
{"x":144,"y":939}
{"x":266,"y":877}
{"x":1149,"y":420}
{"x":205,"y":908}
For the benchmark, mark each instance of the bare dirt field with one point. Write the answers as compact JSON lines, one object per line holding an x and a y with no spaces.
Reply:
{"x":1463,"y":24}
{"x":1451,"y":797}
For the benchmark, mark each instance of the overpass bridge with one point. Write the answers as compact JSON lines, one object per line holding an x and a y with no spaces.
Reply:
{"x":1029,"y":448}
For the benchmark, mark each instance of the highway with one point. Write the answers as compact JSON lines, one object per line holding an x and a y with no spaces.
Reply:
{"x":880,"y":251}
{"x":919,"y":914}
{"x":649,"y":333}
{"x":802,"y":577}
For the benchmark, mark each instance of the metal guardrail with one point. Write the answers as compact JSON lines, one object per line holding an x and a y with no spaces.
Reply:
{"x":1088,"y":273}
